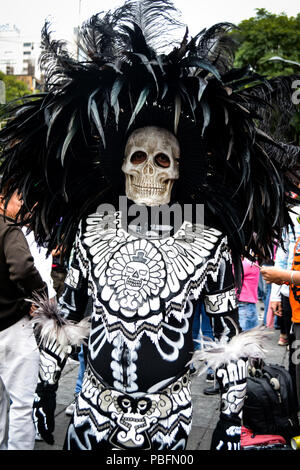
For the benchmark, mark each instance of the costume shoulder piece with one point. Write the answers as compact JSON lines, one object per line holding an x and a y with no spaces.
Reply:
{"x":137,"y":275}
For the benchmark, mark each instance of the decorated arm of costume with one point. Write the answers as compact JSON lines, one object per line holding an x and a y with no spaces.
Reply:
{"x":59,"y":328}
{"x":228,"y":356}
{"x":229,"y":360}
{"x":63,"y":323}
{"x":52,"y":361}
{"x":220,"y":295}
{"x":232,"y":379}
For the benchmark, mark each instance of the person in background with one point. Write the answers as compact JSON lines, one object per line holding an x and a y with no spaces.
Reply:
{"x":4,"y":416}
{"x":82,"y":365}
{"x":291,"y":278}
{"x":279,"y":298}
{"x":248,"y":297}
{"x":281,"y":276}
{"x":264,"y":292}
{"x":19,"y":354}
{"x":202,"y":328}
{"x":82,"y":358}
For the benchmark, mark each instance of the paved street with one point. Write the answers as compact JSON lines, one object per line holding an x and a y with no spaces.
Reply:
{"x":205,"y":407}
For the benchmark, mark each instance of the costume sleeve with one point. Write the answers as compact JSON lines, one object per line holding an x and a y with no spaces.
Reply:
{"x":53,"y":355}
{"x":232,"y":380}
{"x":231,"y":360}
{"x":281,"y":262}
{"x":282,"y":253}
{"x":275,"y":293}
{"x":43,"y":263}
{"x":74,"y":299}
{"x":220,"y":293}
{"x":221,"y":305}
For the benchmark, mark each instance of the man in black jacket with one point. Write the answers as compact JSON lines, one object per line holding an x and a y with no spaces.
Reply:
{"x":19,"y":354}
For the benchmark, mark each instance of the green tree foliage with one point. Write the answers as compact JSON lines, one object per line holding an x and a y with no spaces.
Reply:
{"x":265,"y":36}
{"x":14,"y":88}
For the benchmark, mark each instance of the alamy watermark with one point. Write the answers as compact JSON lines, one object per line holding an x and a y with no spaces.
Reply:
{"x":153,"y":221}
{"x":295,"y":356}
{"x":296,"y":94}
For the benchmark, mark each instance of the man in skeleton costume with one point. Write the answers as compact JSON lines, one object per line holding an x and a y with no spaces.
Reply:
{"x":181,"y":128}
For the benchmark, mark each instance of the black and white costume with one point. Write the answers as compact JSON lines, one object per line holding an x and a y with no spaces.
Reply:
{"x":185,"y":126}
{"x":136,"y":391}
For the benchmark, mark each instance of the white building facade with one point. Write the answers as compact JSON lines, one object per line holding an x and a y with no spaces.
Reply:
{"x":18,"y":54}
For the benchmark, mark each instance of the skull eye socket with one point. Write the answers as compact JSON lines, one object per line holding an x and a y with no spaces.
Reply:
{"x":126,"y":403}
{"x":138,"y":157}
{"x":162,"y":160}
{"x":142,"y":405}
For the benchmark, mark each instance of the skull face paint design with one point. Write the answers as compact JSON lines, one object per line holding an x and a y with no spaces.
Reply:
{"x":136,"y":274}
{"x":133,"y":416}
{"x":151,"y":165}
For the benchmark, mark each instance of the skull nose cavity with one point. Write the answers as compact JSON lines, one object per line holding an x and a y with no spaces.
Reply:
{"x":148,"y":169}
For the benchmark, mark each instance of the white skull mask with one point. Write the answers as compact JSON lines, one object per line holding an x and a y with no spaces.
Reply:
{"x":151,"y":165}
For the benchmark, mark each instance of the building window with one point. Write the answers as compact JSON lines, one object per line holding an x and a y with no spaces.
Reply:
{"x":27,"y":44}
{"x":26,"y":52}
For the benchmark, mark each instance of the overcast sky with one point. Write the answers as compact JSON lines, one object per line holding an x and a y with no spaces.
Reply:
{"x":29,"y":15}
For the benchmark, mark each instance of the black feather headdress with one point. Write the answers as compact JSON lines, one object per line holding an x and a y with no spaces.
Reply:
{"x":63,"y":149}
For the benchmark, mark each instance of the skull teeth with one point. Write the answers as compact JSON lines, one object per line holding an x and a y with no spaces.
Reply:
{"x":137,"y":420}
{"x":134,"y":283}
{"x":149,"y":189}
{"x":148,"y":186}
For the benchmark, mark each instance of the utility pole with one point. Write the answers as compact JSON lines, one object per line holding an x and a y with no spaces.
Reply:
{"x":78,"y":26}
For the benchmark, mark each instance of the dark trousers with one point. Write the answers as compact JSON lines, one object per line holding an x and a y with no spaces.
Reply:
{"x":295,"y":352}
{"x":286,"y":319}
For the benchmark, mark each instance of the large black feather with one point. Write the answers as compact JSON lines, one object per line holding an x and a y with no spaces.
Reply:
{"x":63,"y":150}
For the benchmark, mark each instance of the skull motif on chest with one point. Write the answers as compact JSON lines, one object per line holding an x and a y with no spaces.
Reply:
{"x":136,"y":275}
{"x":151,"y":165}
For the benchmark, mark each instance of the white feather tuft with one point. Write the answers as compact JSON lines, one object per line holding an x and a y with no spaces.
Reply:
{"x":248,"y":344}
{"x":51,"y":326}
